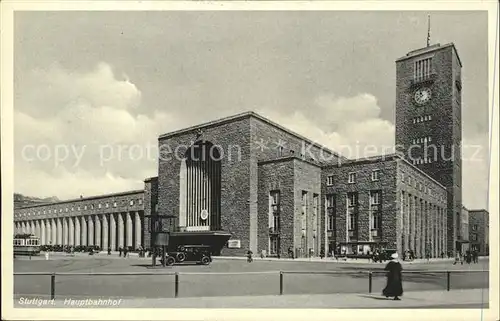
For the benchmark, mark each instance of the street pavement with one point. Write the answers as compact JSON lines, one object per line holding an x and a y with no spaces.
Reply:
{"x":235,"y":278}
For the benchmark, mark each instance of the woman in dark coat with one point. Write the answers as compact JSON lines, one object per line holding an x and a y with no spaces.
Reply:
{"x":394,"y":287}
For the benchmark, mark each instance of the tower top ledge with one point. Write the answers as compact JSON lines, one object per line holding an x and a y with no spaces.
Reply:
{"x":431,"y":48}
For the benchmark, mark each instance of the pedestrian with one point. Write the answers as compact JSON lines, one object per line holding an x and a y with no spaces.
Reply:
{"x":322,"y":253}
{"x":394,"y":287}
{"x":120,"y":251}
{"x":125,"y":251}
{"x":249,"y":256}
{"x":109,"y":250}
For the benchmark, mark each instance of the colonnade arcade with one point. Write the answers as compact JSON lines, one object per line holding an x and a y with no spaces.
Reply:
{"x":110,"y":230}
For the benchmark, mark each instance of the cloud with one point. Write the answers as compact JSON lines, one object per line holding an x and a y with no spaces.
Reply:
{"x":351,"y":126}
{"x":83,"y":133}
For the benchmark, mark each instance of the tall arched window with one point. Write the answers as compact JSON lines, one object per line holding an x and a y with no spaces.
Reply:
{"x":200,"y":188}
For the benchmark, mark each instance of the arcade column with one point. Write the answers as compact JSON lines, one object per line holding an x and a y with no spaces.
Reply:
{"x":130,"y":231}
{"x":121,"y":231}
{"x":37,"y":228}
{"x":65,"y":230}
{"x":83,"y":233}
{"x":97,"y":229}
{"x":78,"y":231}
{"x":53,"y":228}
{"x":90,"y":226}
{"x":138,"y":230}
{"x":48,"y":231}
{"x":42,"y":232}
{"x":105,"y":229}
{"x":59,"y":231}
{"x":112,"y":232}
{"x":71,"y":231}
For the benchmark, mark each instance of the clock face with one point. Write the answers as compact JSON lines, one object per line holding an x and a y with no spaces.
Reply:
{"x":422,"y":96}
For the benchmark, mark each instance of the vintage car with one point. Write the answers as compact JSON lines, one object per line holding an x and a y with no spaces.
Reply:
{"x":199,"y":254}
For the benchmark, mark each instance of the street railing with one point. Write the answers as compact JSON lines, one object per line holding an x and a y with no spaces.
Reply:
{"x":280,"y":274}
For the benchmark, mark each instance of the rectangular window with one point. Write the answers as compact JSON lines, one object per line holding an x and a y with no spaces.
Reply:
{"x":330,"y":211}
{"x":280,"y":151}
{"x":352,"y":199}
{"x":274,"y":211}
{"x":304,"y":210}
{"x":474,"y":227}
{"x":423,"y":69}
{"x":273,"y":245}
{"x":329,"y":180}
{"x":352,"y":178}
{"x":352,"y":206}
{"x":375,"y":174}
{"x":474,"y":237}
{"x":374,"y":197}
{"x":352,"y":220}
{"x":315,"y":212}
{"x":275,"y":197}
{"x":375,"y":222}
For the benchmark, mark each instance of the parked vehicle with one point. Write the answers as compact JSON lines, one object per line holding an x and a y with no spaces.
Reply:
{"x":199,"y":254}
{"x":26,"y":244}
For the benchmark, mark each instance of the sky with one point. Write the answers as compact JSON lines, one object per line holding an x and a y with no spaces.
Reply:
{"x":94,"y":90}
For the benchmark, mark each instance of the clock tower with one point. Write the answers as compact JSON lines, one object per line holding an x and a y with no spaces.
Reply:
{"x":429,"y":121}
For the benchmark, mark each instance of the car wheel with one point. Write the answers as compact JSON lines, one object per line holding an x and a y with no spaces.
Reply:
{"x":170,"y":261}
{"x":205,"y":260}
{"x":180,"y":257}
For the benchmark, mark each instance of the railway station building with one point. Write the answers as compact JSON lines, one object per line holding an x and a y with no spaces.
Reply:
{"x":275,"y":191}
{"x":271,"y":189}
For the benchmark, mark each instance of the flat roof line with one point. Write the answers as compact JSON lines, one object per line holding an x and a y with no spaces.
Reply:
{"x":245,"y":115}
{"x":84,"y":199}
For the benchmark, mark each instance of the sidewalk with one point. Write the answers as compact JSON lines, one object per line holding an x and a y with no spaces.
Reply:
{"x":330,"y":260}
{"x":215,"y":258}
{"x":475,"y":298}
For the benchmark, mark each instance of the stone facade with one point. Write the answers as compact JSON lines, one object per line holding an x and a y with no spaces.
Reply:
{"x":150,"y":201}
{"x":479,"y":231}
{"x":113,"y":220}
{"x":395,"y":181}
{"x":430,"y":134}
